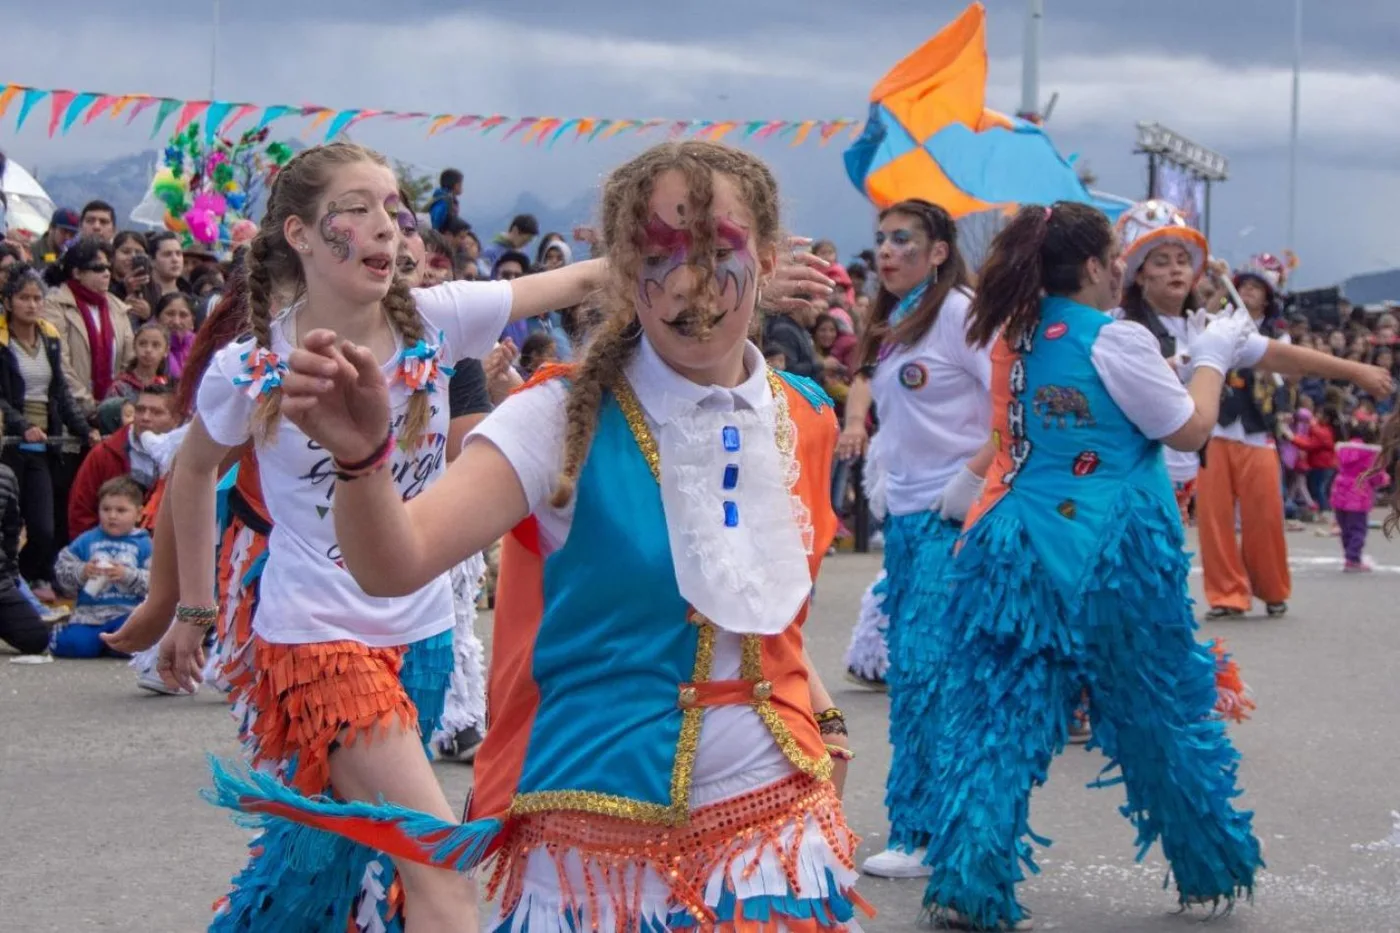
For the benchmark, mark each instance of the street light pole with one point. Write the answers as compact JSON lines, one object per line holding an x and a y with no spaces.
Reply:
{"x":1030,"y":61}
{"x":1293,"y":136}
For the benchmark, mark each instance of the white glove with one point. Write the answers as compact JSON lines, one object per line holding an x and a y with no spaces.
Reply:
{"x":1220,"y":344}
{"x":959,"y":496}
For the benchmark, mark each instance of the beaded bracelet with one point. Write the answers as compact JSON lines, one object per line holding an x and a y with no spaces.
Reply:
{"x":841,"y":752}
{"x":833,"y":727}
{"x":345,"y":472}
{"x":830,"y":713}
{"x":201,"y":616}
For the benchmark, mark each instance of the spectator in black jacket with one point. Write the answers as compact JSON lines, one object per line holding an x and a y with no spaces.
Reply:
{"x":20,"y":624}
{"x":37,"y":407}
{"x":783,"y":332}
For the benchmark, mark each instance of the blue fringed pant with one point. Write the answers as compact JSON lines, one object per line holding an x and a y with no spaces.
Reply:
{"x":1011,"y":683}
{"x":918,"y":552}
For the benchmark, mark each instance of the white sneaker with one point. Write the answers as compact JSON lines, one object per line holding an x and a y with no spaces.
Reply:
{"x":150,"y":680}
{"x":896,"y":863}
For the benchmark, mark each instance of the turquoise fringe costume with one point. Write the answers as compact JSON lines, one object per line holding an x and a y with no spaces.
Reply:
{"x":1074,"y":576}
{"x":918,"y":554}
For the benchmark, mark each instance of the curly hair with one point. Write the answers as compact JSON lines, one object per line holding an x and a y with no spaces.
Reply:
{"x":626,"y":210}
{"x":274,"y":268}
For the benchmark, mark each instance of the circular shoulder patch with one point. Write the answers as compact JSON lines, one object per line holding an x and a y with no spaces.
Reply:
{"x":913,"y":375}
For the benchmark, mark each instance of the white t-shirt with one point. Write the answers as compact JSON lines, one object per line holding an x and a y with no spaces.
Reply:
{"x":1182,"y":465}
{"x":934,"y":402}
{"x":529,"y":428}
{"x":307,"y":595}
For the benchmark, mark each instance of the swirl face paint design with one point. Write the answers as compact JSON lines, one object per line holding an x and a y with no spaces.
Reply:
{"x":669,"y":248}
{"x":337,"y":232}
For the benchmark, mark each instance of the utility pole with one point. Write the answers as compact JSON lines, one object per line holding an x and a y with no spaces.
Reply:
{"x":1293,"y":136}
{"x":214,"y":53}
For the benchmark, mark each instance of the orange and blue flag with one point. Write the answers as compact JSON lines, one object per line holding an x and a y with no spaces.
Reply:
{"x":930,"y":136}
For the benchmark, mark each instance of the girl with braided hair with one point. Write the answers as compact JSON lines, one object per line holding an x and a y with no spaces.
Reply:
{"x":661,"y":753}
{"x":321,"y":690}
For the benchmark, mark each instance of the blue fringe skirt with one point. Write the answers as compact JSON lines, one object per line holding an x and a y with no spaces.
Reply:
{"x":918,"y":554}
{"x":1025,"y":650}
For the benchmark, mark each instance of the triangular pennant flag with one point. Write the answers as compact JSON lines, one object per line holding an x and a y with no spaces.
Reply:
{"x":218,"y":112}
{"x":104,"y":103}
{"x":582,"y":125}
{"x":61,"y":100}
{"x":602,"y":125}
{"x":439,"y":122}
{"x":244,"y":111}
{"x":322,"y":115}
{"x":8,"y":93}
{"x":189,"y":113}
{"x":521,"y":124}
{"x":803,"y":130}
{"x":490,"y":123}
{"x":341,"y":121}
{"x":275,"y":112}
{"x":122,"y":103}
{"x":167,"y":107}
{"x":142,"y":104}
{"x":363,"y":115}
{"x":76,"y":108}
{"x":32,"y":96}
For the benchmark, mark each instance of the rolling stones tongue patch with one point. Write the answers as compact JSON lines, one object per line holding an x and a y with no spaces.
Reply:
{"x":913,"y":375}
{"x":1086,"y":463}
{"x":1056,"y":331}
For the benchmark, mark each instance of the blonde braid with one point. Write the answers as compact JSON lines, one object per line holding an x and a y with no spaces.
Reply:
{"x":402,"y":312}
{"x":268,"y":409}
{"x":603,"y":363}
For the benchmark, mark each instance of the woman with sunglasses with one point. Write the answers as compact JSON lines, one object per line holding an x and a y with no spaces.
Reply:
{"x":92,"y":323}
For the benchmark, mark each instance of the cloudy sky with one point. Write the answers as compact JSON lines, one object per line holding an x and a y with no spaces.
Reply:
{"x":1218,"y":73}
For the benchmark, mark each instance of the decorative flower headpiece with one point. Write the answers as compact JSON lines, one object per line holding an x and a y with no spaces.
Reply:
{"x":420,"y":366}
{"x":262,"y":372}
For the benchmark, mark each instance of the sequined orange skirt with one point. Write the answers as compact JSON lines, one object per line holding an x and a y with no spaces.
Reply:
{"x":767,"y":831}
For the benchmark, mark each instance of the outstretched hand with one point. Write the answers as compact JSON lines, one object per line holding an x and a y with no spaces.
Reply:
{"x":336,"y":393}
{"x":798,"y":283}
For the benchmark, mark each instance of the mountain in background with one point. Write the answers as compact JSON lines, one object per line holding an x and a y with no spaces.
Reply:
{"x":122,"y":182}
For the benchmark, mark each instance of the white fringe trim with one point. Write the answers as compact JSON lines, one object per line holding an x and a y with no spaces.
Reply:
{"x":465,"y":706}
{"x":868,"y":655}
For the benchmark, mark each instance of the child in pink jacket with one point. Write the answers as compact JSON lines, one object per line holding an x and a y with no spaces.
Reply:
{"x":1353,"y":497}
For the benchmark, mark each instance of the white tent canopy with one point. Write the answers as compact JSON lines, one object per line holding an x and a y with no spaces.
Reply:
{"x":29,"y":206}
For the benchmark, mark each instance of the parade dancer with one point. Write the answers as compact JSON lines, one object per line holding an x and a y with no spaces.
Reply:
{"x":931,"y":390}
{"x":1240,"y":479}
{"x":660,"y":751}
{"x":1072,"y":574}
{"x":324,"y":706}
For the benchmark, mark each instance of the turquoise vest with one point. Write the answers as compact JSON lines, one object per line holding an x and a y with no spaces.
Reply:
{"x":1083,"y":451}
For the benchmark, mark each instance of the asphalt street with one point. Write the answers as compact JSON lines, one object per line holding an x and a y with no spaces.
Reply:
{"x":101,"y":826}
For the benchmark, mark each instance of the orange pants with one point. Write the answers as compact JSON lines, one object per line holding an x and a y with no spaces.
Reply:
{"x":1257,"y":564}
{"x":1185,"y":492}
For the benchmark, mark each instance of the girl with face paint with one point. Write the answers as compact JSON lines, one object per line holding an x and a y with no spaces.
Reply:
{"x":931,"y":390}
{"x":659,"y":739}
{"x":332,"y":681}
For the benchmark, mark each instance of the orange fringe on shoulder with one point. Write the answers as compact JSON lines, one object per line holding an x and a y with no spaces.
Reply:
{"x":546,"y":373}
{"x":686,"y":857}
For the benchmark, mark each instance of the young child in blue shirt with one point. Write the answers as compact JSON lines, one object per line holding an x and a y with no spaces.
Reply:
{"x":107,"y":568}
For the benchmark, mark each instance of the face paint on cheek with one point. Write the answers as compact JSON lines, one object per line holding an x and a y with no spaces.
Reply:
{"x":739,"y":267}
{"x":666,"y":248}
{"x":336,"y":232}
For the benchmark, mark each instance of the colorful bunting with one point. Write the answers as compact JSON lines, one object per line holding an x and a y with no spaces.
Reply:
{"x":69,"y":108}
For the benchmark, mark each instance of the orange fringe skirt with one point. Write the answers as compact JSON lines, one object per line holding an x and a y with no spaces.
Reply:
{"x":786,"y":845}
